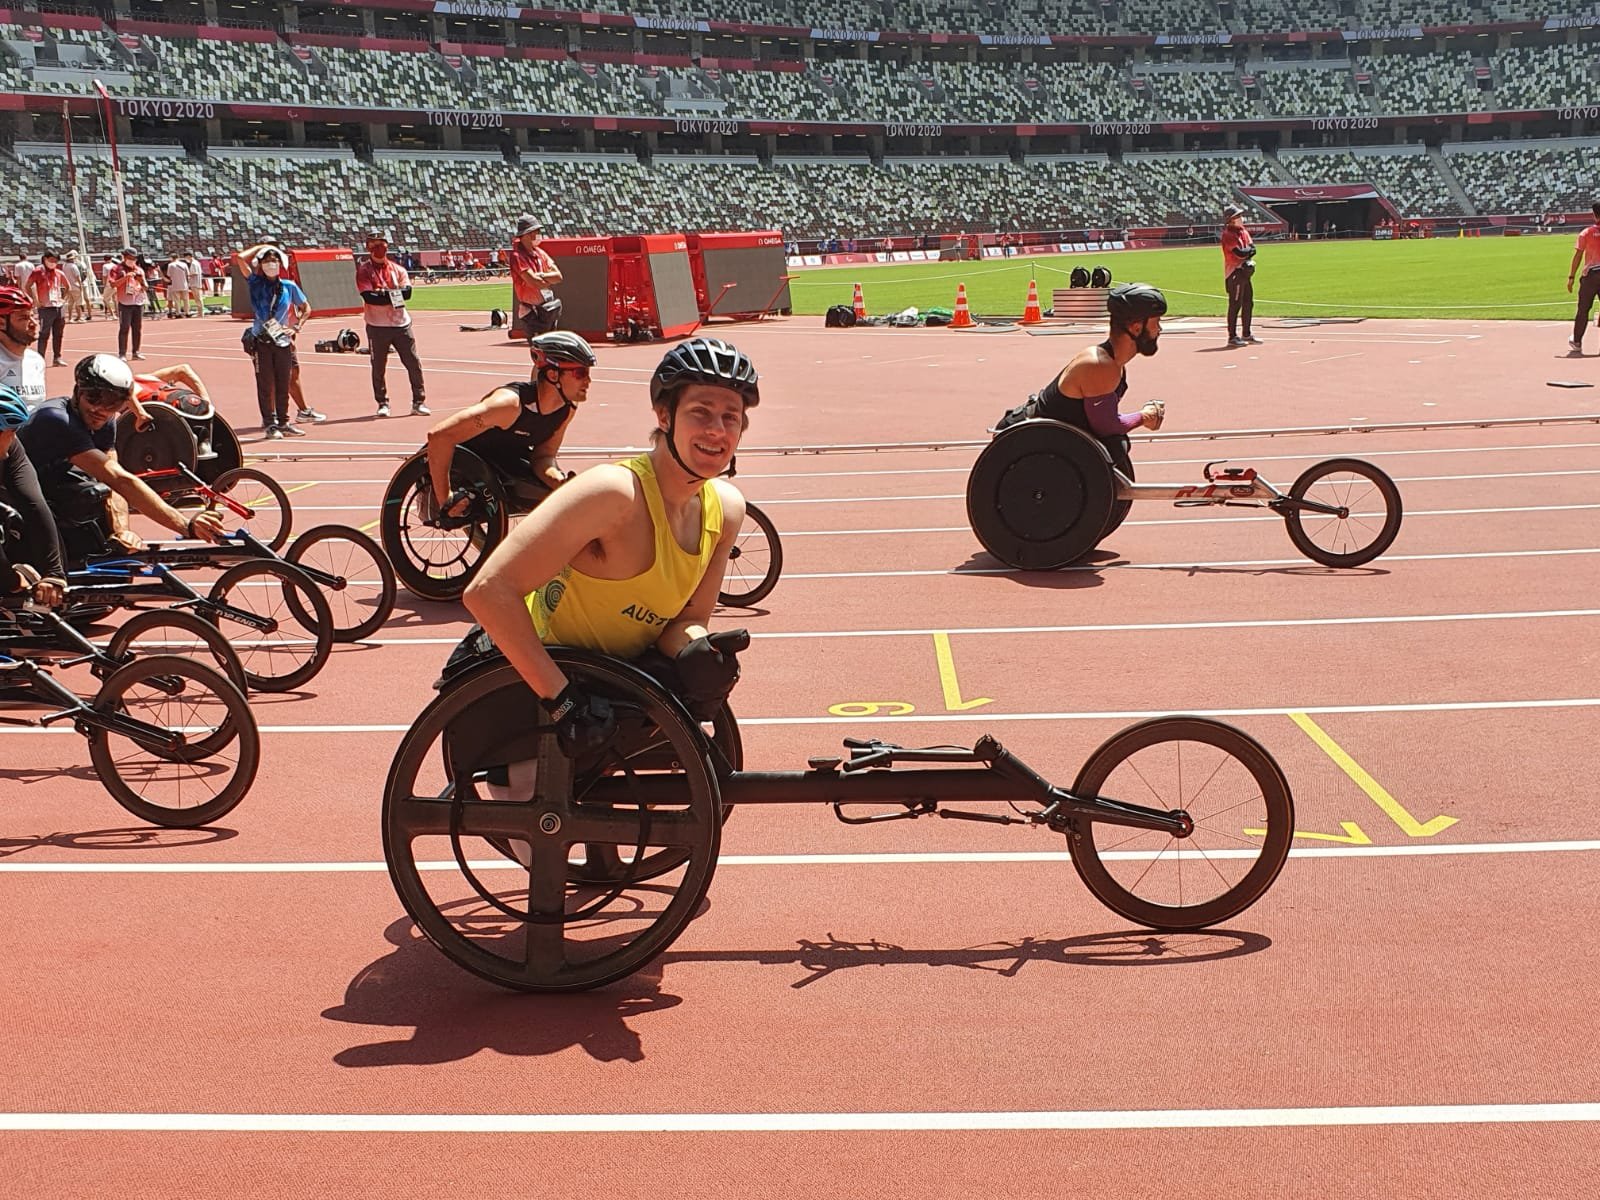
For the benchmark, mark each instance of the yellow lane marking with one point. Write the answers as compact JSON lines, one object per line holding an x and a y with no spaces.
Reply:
{"x":947,"y":678}
{"x":1353,"y":835}
{"x":1395,"y":811}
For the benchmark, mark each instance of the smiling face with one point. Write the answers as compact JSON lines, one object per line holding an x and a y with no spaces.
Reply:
{"x":99,"y":406}
{"x":710,"y":420}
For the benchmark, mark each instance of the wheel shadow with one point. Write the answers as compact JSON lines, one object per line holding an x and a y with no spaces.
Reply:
{"x":818,"y":959}
{"x":136,"y":837}
{"x":1086,"y":572}
{"x":453,"y":1015}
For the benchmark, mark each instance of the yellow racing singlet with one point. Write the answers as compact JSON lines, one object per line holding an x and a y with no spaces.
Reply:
{"x":624,"y":617}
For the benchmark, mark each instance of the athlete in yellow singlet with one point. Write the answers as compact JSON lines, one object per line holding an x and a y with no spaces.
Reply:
{"x":631,"y":555}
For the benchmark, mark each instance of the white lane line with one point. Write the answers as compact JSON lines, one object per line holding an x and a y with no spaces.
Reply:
{"x":1127,"y":714}
{"x":802,"y":1122}
{"x":1306,"y":362}
{"x":997,"y":857}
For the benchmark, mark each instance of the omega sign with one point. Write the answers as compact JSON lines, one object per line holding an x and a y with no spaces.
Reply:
{"x":704,"y":125}
{"x":1119,"y":128}
{"x":180,"y":109}
{"x":914,"y":130}
{"x":1325,"y":123}
{"x":466,"y":120}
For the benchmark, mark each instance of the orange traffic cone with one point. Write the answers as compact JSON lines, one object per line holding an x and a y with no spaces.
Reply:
{"x":963,"y":317}
{"x":1031,"y":315}
{"x":859,"y":304}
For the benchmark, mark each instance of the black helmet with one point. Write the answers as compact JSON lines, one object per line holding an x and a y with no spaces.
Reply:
{"x":1079,"y":278}
{"x":1100,"y":277}
{"x":706,"y":360}
{"x":561,"y":346}
{"x":102,"y":373}
{"x":1130,"y":302}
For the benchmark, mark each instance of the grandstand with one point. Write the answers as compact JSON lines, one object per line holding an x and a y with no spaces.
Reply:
{"x":835,"y":121}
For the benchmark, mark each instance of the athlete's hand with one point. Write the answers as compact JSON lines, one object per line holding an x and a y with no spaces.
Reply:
{"x":206,"y":525}
{"x":584,"y":723}
{"x":128,"y":540}
{"x":1154,"y":412}
{"x":49,"y":591}
{"x":708,"y":668}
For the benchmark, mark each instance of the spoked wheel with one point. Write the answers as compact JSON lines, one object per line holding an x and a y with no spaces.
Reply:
{"x":177,"y":631}
{"x":437,"y":564}
{"x":287,"y":652}
{"x":203,"y":780}
{"x":268,"y":517}
{"x":480,"y":766}
{"x":354,"y":575}
{"x":1369,"y":500}
{"x":755,"y":561}
{"x":1234,"y":793}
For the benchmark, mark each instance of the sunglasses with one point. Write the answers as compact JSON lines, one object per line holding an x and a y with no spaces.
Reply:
{"x":575,"y":372}
{"x":103,"y":400}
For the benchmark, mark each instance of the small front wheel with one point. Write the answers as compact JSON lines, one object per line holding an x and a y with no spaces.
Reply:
{"x":1367,"y":497}
{"x":1236,"y":797}
{"x":279,"y":650}
{"x":266,"y":505}
{"x":353,"y":573}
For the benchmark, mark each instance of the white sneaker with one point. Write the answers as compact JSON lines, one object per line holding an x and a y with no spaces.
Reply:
{"x":383,"y":410}
{"x":287,"y":430}
{"x":1574,"y":346}
{"x":309,"y":414}
{"x":275,"y":433}
{"x":419,"y":409}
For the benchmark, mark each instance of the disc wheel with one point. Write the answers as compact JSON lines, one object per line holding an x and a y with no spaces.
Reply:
{"x":354,"y":575}
{"x":179,"y":790}
{"x":267,"y":516}
{"x":503,"y":778}
{"x":1232,"y":790}
{"x":754,"y":562}
{"x":226,"y":453}
{"x":1040,"y":495}
{"x":437,"y":564}
{"x":1122,"y":461}
{"x":1372,"y":504}
{"x":177,"y":631}
{"x":287,"y":653}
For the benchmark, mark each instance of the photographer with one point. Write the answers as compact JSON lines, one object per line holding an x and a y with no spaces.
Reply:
{"x":279,"y":306}
{"x":533,"y":274}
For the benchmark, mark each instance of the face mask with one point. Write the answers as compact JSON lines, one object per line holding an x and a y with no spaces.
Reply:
{"x":270,"y":268}
{"x":378,"y":253}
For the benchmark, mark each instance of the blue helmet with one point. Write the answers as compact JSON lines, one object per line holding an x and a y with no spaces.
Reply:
{"x":13,"y":412}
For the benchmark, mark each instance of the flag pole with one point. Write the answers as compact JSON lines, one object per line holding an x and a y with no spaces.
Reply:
{"x":116,"y":163}
{"x":91,"y":286}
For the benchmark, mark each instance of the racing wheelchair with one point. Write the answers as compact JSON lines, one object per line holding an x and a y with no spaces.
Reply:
{"x":609,"y":855}
{"x":436,"y":559}
{"x":1043,"y":493}
{"x":172,"y":740}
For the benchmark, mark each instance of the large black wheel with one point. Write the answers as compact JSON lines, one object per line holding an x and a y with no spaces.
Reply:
{"x":189,"y":787}
{"x":1040,"y":495}
{"x":481,"y":766}
{"x":177,"y":631}
{"x":1122,"y":461}
{"x":279,"y":651}
{"x":226,"y":453}
{"x":754,"y":563}
{"x":433,"y":563}
{"x":166,"y":442}
{"x":354,"y":575}
{"x":266,"y":505}
{"x":1233,"y":791}
{"x":1368,"y":520}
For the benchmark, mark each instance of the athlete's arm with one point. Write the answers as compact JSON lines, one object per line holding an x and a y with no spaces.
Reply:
{"x":19,"y":487}
{"x":1094,"y":382}
{"x":589,"y":509}
{"x":696,"y":615}
{"x":543,"y":458}
{"x":497,"y":410}
{"x":185,"y":376}
{"x":134,"y":493}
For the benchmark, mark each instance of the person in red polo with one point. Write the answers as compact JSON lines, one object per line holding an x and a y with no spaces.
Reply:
{"x":1238,"y":269}
{"x":48,"y":286}
{"x":1586,"y":257}
{"x":533,"y":274}
{"x":385,"y":287}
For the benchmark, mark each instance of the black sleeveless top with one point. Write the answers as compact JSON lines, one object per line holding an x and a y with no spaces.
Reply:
{"x":1049,"y":402}
{"x":531,"y":429}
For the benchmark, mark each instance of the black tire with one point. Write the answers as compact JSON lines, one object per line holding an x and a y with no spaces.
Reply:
{"x":1039,"y":495}
{"x":1119,"y":508}
{"x":436,"y":564}
{"x":1358,"y":538}
{"x":226,"y":453}
{"x":264,"y":497}
{"x":363,"y":595}
{"x":754,"y":563}
{"x":186,"y":635}
{"x":204,"y":692}
{"x":1094,"y":851}
{"x":560,"y":942}
{"x":245,"y":585}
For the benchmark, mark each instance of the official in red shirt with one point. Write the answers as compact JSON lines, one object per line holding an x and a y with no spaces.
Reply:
{"x":1586,"y":257}
{"x":533,"y":274}
{"x":49,"y":285}
{"x":385,"y":287}
{"x":125,"y":281}
{"x":1239,"y":267}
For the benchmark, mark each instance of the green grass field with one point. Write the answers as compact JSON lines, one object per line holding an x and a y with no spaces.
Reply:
{"x":1489,"y":278}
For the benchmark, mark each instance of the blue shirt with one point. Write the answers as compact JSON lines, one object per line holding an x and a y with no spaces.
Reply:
{"x":261,"y":290}
{"x":55,"y":434}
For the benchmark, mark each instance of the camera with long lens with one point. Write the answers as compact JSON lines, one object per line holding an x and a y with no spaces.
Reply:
{"x":348,"y":341}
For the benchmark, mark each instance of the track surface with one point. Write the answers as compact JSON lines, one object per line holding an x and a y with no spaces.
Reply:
{"x":939,"y":1007}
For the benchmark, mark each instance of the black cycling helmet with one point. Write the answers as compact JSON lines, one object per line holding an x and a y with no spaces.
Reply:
{"x":706,"y":360}
{"x":1100,"y":277}
{"x":1130,"y":302}
{"x":102,"y":373}
{"x":13,"y":411}
{"x":561,"y":346}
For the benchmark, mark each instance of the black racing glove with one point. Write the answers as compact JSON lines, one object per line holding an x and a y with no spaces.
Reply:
{"x":584,"y":723}
{"x":708,"y":668}
{"x":468,"y":516}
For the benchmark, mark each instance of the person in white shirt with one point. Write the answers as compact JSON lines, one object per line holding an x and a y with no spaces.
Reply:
{"x":197,"y":284}
{"x":77,"y":305}
{"x":21,"y":366}
{"x":177,"y":288}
